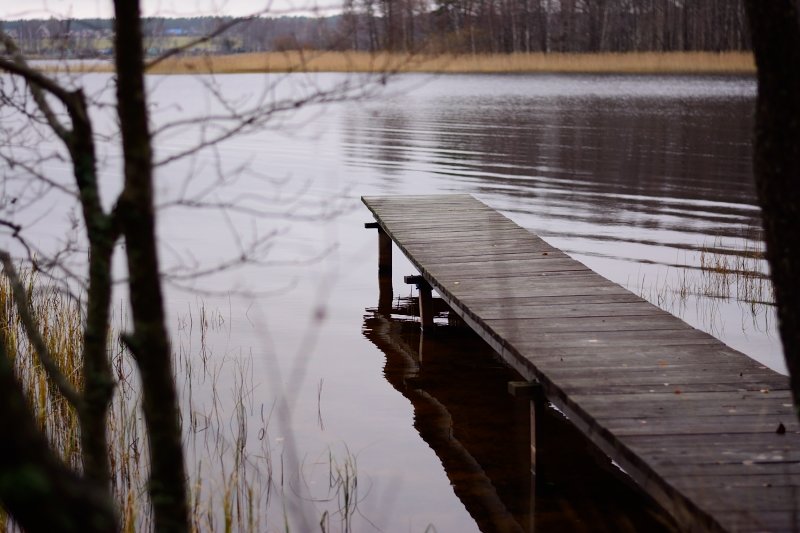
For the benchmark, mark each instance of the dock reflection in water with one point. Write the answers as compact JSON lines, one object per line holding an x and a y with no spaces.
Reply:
{"x":482,"y":434}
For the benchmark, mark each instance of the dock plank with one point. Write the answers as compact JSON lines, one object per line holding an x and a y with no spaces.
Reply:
{"x":691,"y":420}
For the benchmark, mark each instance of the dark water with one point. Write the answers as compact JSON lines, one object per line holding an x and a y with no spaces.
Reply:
{"x":644,"y":179}
{"x":482,"y":435}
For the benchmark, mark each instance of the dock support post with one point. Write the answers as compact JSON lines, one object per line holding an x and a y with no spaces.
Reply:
{"x":533,"y":394}
{"x":532,"y":391}
{"x":384,"y":249}
{"x":385,"y":289}
{"x":385,"y":295}
{"x":425,"y":300}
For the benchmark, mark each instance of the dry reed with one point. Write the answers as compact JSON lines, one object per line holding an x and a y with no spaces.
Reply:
{"x":725,"y":271}
{"x":233,"y":480}
{"x":363,"y":62}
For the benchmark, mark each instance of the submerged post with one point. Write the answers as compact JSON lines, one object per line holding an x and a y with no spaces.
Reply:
{"x":532,"y":391}
{"x":384,"y":249}
{"x":425,"y":300}
{"x":385,"y":295}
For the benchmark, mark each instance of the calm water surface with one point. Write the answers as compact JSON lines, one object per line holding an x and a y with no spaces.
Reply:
{"x":644,"y":179}
{"x":641,"y":178}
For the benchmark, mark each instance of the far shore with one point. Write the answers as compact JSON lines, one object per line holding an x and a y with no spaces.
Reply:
{"x":363,"y":62}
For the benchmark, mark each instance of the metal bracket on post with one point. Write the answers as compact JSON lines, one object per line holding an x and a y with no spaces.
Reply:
{"x":425,"y":300}
{"x":384,"y":249}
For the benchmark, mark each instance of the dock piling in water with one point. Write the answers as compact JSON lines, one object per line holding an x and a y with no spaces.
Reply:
{"x":384,"y":249}
{"x":532,"y":392}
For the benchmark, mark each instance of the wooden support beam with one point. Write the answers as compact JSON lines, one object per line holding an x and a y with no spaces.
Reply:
{"x":385,"y":295}
{"x":425,"y":300}
{"x":533,"y":392}
{"x":528,"y":390}
{"x":384,"y":249}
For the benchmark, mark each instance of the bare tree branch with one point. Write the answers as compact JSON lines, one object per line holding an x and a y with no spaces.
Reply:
{"x":15,"y":228}
{"x":37,"y":82}
{"x":252,"y":119}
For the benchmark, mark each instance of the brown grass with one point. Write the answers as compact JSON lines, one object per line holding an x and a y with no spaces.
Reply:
{"x":296,"y":61}
{"x":234,"y":485}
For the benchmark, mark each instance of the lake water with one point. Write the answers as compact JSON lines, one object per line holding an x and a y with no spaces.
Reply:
{"x":644,"y":179}
{"x":641,"y":178}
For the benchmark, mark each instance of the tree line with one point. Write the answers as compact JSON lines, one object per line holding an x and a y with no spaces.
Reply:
{"x":440,"y":26}
{"x":509,"y":26}
{"x":93,"y":37}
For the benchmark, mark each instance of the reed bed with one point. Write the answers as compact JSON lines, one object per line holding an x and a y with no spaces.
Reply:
{"x":363,"y":62}
{"x":739,"y":274}
{"x":235,"y":484}
{"x":725,"y":270}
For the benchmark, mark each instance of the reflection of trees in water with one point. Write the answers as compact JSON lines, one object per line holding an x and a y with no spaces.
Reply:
{"x":481,"y":434}
{"x":656,"y":148}
{"x":639,"y":187}
{"x":381,"y":140}
{"x":652,"y":162}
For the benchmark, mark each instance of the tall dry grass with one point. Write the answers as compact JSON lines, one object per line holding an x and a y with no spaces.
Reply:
{"x":727,"y":270}
{"x":363,"y":62}
{"x":235,"y":485}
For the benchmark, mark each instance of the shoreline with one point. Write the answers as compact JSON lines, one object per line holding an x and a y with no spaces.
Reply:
{"x":700,"y":63}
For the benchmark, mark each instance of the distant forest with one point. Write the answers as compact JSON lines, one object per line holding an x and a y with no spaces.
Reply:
{"x":454,"y":26}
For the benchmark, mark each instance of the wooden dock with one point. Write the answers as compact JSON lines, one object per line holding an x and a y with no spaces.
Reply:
{"x":706,"y":431}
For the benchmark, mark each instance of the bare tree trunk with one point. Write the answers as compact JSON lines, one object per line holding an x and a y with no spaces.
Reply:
{"x":149,"y":342}
{"x":39,"y":491}
{"x":92,"y":406}
{"x":776,"y":41}
{"x":102,"y":234}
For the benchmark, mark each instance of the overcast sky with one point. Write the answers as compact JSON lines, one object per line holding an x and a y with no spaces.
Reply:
{"x":15,"y":9}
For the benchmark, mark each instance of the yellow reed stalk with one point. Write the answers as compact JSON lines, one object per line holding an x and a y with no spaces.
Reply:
{"x":320,"y":61}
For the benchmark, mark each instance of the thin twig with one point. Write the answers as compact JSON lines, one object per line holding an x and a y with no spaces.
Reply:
{"x":37,"y":82}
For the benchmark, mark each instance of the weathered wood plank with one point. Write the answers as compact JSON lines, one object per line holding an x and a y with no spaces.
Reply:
{"x":586,"y":310}
{"x":699,"y":425}
{"x":716,"y":469}
{"x":744,"y":521}
{"x":581,"y":324}
{"x":466,"y":248}
{"x":762,"y":498}
{"x":574,"y":288}
{"x":492,"y":239}
{"x":648,"y":380}
{"x":691,"y":420}
{"x":448,"y":272}
{"x":678,"y":405}
{"x":652,"y":356}
{"x":532,"y":342}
